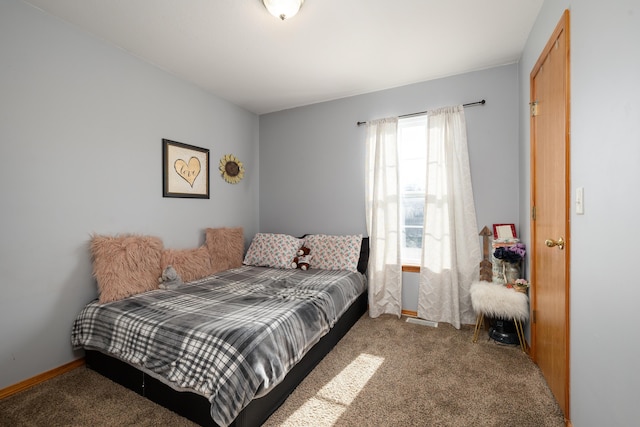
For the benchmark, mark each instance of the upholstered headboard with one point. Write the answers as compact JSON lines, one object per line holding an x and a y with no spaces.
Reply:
{"x":364,"y":256}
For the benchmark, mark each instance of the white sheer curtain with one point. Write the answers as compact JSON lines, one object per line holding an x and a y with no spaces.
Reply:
{"x":383,"y":218}
{"x":450,"y":244}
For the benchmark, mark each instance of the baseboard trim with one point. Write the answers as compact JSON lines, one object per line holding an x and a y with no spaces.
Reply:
{"x":30,"y":382}
{"x":410,"y":313}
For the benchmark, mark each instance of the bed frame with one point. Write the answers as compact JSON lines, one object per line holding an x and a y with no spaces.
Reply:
{"x":196,"y":407}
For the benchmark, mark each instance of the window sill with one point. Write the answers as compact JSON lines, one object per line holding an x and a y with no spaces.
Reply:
{"x":411,"y":268}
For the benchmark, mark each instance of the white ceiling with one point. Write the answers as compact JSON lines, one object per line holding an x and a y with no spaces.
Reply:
{"x":332,"y":49}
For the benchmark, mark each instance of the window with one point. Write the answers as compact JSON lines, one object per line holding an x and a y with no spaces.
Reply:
{"x":412,"y":149}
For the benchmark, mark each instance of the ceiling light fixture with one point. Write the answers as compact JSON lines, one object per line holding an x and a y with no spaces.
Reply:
{"x":283,"y":9}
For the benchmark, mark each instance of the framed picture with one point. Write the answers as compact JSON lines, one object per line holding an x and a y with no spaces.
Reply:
{"x":185,"y":170}
{"x":504,"y":231}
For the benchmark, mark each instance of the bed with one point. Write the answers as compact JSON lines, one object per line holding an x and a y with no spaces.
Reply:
{"x":226,"y":349}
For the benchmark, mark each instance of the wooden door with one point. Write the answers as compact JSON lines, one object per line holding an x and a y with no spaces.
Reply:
{"x":550,"y":190}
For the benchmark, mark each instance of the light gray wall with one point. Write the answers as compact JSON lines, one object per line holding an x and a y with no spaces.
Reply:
{"x":312,"y":158}
{"x":81,"y":124}
{"x":605,"y":159}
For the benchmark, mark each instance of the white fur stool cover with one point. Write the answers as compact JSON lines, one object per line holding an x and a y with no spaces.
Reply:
{"x":497,"y":301}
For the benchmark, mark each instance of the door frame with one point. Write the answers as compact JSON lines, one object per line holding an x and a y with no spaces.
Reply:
{"x":562,"y":26}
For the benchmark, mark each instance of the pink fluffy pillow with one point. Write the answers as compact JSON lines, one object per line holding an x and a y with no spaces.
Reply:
{"x":225,"y":246}
{"x":191,"y":264}
{"x":125,"y":265}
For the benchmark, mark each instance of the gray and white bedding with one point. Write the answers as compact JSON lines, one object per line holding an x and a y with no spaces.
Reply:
{"x":230,"y":337}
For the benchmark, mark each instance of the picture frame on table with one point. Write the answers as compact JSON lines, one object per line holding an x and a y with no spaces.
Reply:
{"x":185,"y":170}
{"x":504,"y":231}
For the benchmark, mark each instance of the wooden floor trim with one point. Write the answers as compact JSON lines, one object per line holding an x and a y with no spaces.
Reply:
{"x":28,"y":383}
{"x":409,"y":313}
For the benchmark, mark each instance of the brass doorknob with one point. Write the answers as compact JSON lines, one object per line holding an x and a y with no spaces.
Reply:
{"x":551,"y":243}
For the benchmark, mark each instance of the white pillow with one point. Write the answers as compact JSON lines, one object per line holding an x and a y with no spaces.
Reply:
{"x":272,"y":250}
{"x":334,"y":252}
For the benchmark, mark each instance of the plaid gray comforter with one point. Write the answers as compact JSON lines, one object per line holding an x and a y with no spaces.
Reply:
{"x":230,"y":337}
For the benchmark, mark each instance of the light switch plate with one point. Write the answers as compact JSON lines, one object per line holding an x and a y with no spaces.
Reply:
{"x":580,"y":201}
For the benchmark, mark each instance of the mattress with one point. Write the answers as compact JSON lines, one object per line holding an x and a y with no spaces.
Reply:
{"x":230,"y":337}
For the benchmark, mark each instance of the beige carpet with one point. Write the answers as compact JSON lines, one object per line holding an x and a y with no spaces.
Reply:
{"x":384,"y":372}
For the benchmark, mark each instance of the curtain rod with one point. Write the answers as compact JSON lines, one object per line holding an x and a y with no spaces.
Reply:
{"x":470,"y":104}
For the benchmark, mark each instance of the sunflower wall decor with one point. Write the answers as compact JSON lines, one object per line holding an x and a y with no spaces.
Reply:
{"x":231,"y":169}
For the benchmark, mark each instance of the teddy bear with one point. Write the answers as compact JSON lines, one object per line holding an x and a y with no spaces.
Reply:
{"x":302,"y":259}
{"x":170,"y":278}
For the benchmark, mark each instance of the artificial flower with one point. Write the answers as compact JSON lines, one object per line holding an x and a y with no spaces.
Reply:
{"x":231,"y":169}
{"x":513,"y":254}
